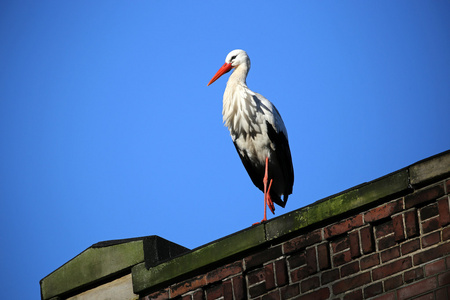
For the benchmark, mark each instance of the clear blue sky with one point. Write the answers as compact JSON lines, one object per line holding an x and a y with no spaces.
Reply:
{"x":108,"y":129}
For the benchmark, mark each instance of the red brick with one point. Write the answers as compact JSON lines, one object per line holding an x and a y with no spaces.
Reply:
{"x":323,"y":253}
{"x":257,"y":290}
{"x":412,"y":225}
{"x":255,"y":276}
{"x":444,"y":278}
{"x":353,"y":238}
{"x":390,"y":254}
{"x":431,"y":254}
{"x":269,"y":276}
{"x":350,"y":269}
{"x":431,"y":239}
{"x":342,"y":258}
{"x":430,"y":225}
{"x":198,"y":295}
{"x":424,"y":196}
{"x":354,"y":282}
{"x":384,"y":229}
{"x":223,"y":272}
{"x":187,"y":285}
{"x":239,"y":290}
{"x":393,"y":282}
{"x":186,"y":297}
{"x":354,"y":295}
{"x":373,"y":290}
{"x":391,"y":268}
{"x":417,"y":288}
{"x":340,"y":244}
{"x":412,"y":275}
{"x":274,"y":295}
{"x":410,"y":246}
{"x":300,"y":273}
{"x":297,"y":260}
{"x":303,"y":241}
{"x":227,"y":290}
{"x":159,"y":295}
{"x":260,"y":258}
{"x":383,"y":211}
{"x":435,"y":267}
{"x":429,"y":211}
{"x":289,"y":291}
{"x":281,"y":272}
{"x":309,"y":284}
{"x":311,"y":259}
{"x":370,"y":261}
{"x":330,"y":276}
{"x":213,"y":292}
{"x":399,"y":232}
{"x":386,"y":242}
{"x":444,"y":211}
{"x":445,"y":234}
{"x":343,"y":227}
{"x":443,"y":293}
{"x":390,"y":296}
{"x":429,"y":296}
{"x":321,"y":294}
{"x":366,"y":239}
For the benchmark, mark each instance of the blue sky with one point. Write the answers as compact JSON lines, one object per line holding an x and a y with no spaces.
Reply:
{"x":108,"y":129}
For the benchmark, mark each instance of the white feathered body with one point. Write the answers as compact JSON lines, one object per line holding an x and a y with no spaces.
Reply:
{"x":258,"y":131}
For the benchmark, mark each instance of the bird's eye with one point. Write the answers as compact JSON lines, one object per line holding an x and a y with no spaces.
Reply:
{"x":233,"y":57}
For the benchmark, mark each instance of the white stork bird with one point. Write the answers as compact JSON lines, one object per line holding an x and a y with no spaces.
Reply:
{"x":258,"y":133}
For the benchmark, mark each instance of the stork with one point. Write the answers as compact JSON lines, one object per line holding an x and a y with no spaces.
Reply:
{"x":258,"y":133}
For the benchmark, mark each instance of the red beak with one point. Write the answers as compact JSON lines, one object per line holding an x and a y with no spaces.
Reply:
{"x":224,"y":69}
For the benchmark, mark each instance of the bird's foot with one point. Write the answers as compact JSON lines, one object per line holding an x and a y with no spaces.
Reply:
{"x":262,"y":221}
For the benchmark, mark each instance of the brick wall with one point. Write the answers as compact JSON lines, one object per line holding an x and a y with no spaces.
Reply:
{"x":397,"y":248}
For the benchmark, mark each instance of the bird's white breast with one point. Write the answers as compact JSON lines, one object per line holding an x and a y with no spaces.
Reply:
{"x":245,"y":114}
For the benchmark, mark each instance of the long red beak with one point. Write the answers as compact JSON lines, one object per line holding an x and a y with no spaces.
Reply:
{"x":224,"y":69}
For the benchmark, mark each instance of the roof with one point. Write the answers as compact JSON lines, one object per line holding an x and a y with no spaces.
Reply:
{"x":154,"y":261}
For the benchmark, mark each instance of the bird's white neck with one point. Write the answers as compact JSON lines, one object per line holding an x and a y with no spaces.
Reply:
{"x":239,"y":75}
{"x":237,"y":101}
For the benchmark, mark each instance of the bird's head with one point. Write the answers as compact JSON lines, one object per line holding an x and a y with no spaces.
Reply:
{"x":234,"y":59}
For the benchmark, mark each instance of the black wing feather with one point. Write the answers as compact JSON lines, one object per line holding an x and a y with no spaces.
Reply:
{"x":283,"y":155}
{"x":256,"y":174}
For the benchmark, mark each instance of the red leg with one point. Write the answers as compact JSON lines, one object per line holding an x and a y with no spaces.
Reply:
{"x":267,"y":200}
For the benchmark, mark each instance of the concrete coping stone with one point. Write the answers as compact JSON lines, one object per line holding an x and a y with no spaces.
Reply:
{"x":107,"y":260}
